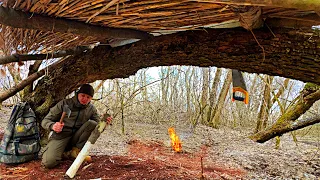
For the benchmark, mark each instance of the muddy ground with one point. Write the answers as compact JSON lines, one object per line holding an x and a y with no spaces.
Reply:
{"x":144,"y":152}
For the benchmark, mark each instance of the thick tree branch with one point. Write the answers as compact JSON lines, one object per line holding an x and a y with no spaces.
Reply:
{"x":32,"y":69}
{"x":289,"y":54}
{"x":30,"y":79}
{"x":19,"y":19}
{"x":29,"y":57}
{"x":235,"y":49}
{"x":284,"y":128}
{"x":288,"y":121}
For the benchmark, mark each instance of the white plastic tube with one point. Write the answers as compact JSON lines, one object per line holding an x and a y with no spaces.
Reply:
{"x":78,"y":161}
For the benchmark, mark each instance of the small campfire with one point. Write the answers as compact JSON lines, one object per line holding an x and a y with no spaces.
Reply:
{"x":175,"y":142}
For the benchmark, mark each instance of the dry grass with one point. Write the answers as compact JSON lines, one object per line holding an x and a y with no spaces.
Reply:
{"x":146,"y":15}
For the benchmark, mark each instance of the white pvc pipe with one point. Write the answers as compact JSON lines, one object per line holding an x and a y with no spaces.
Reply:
{"x":78,"y":161}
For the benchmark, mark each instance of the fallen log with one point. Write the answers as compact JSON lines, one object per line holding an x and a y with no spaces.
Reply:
{"x":289,"y":120}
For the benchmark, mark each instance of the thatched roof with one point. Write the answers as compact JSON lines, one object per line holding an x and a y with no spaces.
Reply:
{"x":151,"y":16}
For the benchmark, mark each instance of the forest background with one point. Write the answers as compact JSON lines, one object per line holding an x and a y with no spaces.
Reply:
{"x":188,"y":95}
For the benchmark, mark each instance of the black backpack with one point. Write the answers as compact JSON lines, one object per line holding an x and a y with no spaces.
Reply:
{"x":21,"y":140}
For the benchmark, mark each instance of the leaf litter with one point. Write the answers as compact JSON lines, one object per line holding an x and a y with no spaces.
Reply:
{"x":145,"y":152}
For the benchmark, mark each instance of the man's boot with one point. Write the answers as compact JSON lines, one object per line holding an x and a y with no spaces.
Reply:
{"x":74,"y":153}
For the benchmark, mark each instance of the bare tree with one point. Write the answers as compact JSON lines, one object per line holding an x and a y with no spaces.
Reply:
{"x":289,"y":120}
{"x":223,"y":94}
{"x":265,"y":104}
{"x":204,"y":94}
{"x":165,"y":85}
{"x":187,"y":78}
{"x":213,"y":94}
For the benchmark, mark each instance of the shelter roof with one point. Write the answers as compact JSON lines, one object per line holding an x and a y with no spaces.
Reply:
{"x":156,"y":17}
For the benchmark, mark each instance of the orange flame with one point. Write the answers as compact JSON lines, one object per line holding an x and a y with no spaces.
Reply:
{"x":175,"y":142}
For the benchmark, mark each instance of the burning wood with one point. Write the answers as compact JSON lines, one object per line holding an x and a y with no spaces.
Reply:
{"x":175,"y":142}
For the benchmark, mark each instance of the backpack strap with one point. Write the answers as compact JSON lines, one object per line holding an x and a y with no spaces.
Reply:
{"x":14,"y":114}
{"x":11,"y":124}
{"x":16,"y":142}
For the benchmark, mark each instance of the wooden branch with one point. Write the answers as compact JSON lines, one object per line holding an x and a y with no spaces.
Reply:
{"x":288,"y":121}
{"x":29,"y":57}
{"x":297,"y":4}
{"x":270,"y":133}
{"x":15,"y":89}
{"x":32,"y":69}
{"x":19,"y":19}
{"x":232,"y":48}
{"x":229,"y":48}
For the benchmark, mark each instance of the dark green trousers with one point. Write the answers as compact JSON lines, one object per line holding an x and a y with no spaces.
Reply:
{"x":52,"y":155}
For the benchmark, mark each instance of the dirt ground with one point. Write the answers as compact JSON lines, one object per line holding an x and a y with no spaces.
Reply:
{"x":144,"y":152}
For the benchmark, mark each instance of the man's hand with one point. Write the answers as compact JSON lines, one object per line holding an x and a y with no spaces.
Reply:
{"x":108,"y":120}
{"x":57,"y":127}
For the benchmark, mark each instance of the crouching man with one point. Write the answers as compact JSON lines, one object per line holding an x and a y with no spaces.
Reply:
{"x":68,"y":137}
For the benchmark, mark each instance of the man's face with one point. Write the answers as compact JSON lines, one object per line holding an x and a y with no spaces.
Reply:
{"x":84,"y":99}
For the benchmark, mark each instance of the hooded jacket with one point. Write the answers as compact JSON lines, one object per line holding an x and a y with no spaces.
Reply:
{"x":79,"y":115}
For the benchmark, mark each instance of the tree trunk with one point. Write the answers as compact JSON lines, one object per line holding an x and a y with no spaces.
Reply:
{"x":282,"y":109}
{"x":15,"y":76}
{"x":143,"y":83}
{"x":265,"y":105}
{"x":252,"y":88}
{"x":236,"y":49}
{"x":204,"y":93}
{"x":187,"y":78}
{"x":288,"y":121}
{"x":165,"y":72}
{"x":267,"y":99}
{"x":223,"y":94}
{"x":213,"y":94}
{"x":32,"y":69}
{"x":173,"y":86}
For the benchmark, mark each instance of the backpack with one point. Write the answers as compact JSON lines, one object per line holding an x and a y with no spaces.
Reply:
{"x":21,"y":140}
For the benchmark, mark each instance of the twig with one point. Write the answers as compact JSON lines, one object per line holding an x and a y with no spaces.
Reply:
{"x":202,"y":177}
{"x":263,"y":51}
{"x":85,"y":167}
{"x":270,"y":30}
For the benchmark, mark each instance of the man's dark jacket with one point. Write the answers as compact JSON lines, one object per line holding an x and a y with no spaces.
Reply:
{"x":79,"y":115}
